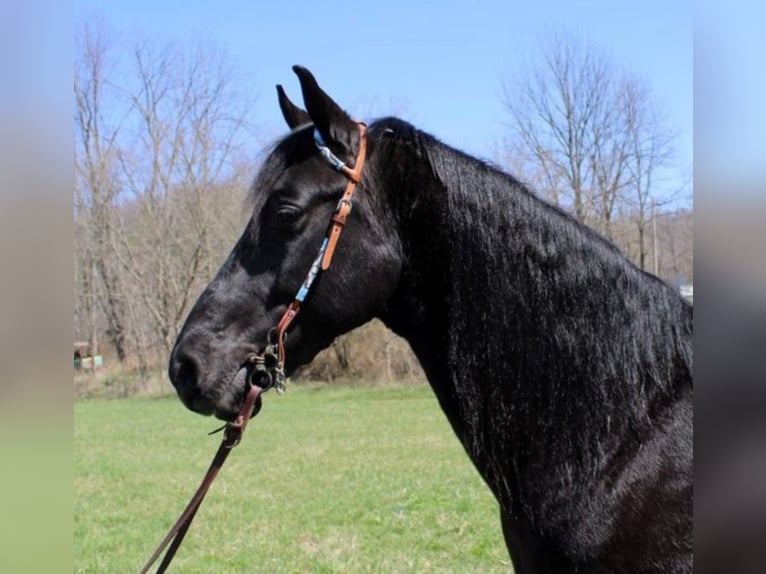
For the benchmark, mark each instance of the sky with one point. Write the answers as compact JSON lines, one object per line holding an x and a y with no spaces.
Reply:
{"x":440,"y":64}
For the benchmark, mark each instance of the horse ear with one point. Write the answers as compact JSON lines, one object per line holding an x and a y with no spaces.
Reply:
{"x":329,"y":118}
{"x":294,"y":116}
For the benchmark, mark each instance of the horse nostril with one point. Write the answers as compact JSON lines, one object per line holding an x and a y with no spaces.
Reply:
{"x":184,"y":373}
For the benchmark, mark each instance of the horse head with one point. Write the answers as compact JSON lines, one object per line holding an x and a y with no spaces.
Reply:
{"x":295,"y":196}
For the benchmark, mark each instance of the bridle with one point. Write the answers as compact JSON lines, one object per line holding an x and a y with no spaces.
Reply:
{"x":267,"y":369}
{"x":270,"y":365}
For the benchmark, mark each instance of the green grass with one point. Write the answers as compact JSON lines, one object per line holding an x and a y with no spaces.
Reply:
{"x":325,"y":480}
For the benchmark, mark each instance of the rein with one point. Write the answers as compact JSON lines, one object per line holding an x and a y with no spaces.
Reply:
{"x":266,"y":370}
{"x":231,"y":438}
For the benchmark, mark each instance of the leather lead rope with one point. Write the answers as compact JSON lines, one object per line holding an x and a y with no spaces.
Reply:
{"x":231,"y":438}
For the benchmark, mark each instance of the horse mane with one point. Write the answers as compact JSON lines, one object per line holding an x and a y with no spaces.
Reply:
{"x":584,"y":333}
{"x":556,"y":327}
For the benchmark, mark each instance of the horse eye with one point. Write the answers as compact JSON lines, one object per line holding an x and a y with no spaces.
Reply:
{"x":288,"y":213}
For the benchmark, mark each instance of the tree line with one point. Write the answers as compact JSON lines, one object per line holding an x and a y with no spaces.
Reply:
{"x":163,"y":159}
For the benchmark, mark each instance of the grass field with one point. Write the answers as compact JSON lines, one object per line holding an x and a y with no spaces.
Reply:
{"x":326,"y":480}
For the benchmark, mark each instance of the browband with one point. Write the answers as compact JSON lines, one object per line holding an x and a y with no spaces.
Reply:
{"x":326,"y":152}
{"x":335,"y":162}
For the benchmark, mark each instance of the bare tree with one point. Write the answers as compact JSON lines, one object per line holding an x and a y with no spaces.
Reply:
{"x":159,"y":186}
{"x":188,"y":122}
{"x":565,"y":119}
{"x":96,"y":189}
{"x":592,"y":139}
{"x":649,"y":150}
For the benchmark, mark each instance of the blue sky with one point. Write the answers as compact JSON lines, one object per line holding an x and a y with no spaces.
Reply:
{"x":442,"y":62}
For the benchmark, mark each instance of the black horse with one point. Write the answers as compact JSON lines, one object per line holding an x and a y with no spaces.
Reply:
{"x":565,"y":371}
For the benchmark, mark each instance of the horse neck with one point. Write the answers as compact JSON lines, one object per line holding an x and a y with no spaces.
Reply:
{"x":525,"y":321}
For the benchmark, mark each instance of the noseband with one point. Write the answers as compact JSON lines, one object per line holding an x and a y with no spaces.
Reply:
{"x":266,"y":370}
{"x":269,"y":366}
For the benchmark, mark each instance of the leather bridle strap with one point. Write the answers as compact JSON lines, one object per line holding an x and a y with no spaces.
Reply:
{"x":330,"y":242}
{"x":231,"y":437}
